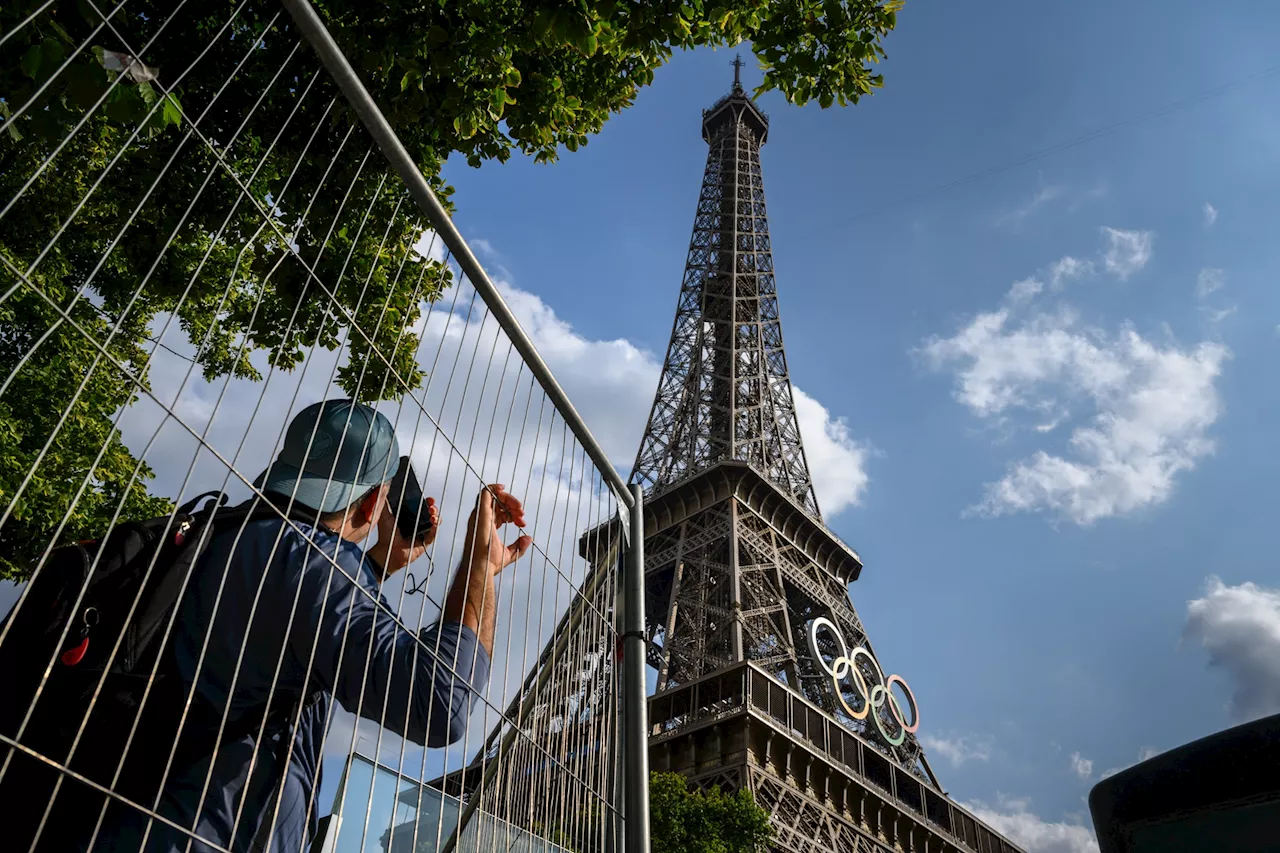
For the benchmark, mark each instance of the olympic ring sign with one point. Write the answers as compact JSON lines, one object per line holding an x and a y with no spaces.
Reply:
{"x":844,"y":667}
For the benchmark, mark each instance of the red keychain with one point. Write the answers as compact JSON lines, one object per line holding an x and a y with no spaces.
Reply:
{"x":74,"y":655}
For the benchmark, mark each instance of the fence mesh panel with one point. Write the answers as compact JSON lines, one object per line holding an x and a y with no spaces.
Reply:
{"x":198,"y":241}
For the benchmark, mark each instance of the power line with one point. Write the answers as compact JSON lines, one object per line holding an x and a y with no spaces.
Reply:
{"x":1063,"y":146}
{"x":106,"y":315}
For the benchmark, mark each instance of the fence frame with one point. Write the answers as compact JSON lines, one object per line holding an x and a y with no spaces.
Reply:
{"x":634,"y":763}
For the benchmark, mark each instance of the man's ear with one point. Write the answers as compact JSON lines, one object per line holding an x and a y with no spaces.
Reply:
{"x":369,"y":506}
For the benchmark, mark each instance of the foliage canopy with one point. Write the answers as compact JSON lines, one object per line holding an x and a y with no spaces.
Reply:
{"x":710,"y":821}
{"x":224,"y":184}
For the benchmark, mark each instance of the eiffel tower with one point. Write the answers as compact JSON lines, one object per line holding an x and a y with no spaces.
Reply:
{"x":765,"y":677}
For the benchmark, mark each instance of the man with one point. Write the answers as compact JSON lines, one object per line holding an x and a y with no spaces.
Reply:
{"x":269,"y":605}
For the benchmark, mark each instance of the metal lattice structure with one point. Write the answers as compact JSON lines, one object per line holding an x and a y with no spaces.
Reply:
{"x":739,"y":565}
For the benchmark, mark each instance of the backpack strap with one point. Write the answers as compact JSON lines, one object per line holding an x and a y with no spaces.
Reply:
{"x":188,"y":544}
{"x":191,"y":506}
{"x":220,"y":520}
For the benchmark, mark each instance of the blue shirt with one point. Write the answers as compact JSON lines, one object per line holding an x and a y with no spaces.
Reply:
{"x":280,"y":611}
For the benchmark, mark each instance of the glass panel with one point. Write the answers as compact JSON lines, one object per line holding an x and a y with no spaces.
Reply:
{"x":395,"y":808}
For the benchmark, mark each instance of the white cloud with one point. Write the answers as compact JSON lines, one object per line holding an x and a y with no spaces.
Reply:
{"x":1127,"y":251}
{"x":1152,"y":407}
{"x":1209,"y":280}
{"x":1043,"y":196}
{"x":958,"y":750}
{"x":1082,"y":767}
{"x":612,"y":383}
{"x":1013,"y":818}
{"x":1144,"y":753}
{"x":1210,"y":215}
{"x":1239,"y":626}
{"x":1067,"y":268}
{"x":837,"y":461}
{"x":431,"y":245}
{"x":1024,"y":291}
{"x":1064,"y":197}
{"x":1217,"y":315}
{"x":484,"y":246}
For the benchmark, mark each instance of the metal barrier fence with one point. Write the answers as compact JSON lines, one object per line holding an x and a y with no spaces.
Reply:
{"x":206,"y":227}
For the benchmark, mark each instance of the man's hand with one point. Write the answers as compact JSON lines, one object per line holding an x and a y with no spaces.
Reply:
{"x":393,"y":552}
{"x":484,"y":552}
{"x":473,"y":597}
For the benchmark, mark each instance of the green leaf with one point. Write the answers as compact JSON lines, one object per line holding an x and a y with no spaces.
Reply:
{"x":125,"y":105}
{"x":58,"y":28}
{"x":31,"y":62}
{"x":148,"y":94}
{"x":497,"y":102}
{"x":42,"y":60}
{"x":172,"y":110}
{"x":465,"y":126}
{"x":54,"y":52}
{"x":543,"y":25}
{"x":88,"y":12}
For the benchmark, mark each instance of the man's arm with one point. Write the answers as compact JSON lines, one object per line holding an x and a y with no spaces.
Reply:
{"x":421,"y":686}
{"x":427,"y":695}
{"x":472,"y":602}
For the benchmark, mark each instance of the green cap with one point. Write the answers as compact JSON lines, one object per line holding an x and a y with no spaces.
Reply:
{"x":334,"y":452}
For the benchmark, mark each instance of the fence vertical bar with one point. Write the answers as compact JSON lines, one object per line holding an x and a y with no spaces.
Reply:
{"x":635,"y":741}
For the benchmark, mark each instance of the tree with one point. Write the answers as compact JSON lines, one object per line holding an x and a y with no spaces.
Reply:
{"x":704,"y":821}
{"x":119,"y":213}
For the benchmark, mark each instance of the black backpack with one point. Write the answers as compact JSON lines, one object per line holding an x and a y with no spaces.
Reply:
{"x":127,"y":597}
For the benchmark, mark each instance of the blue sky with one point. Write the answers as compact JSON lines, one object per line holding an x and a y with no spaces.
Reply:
{"x":1076,"y":616}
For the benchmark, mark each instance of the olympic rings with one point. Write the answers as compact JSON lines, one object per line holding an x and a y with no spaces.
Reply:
{"x":880,"y":694}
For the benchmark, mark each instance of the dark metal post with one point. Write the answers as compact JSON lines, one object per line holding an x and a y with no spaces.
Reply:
{"x":635,"y":741}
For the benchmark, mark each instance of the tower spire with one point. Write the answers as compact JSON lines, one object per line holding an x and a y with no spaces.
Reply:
{"x":737,"y":68}
{"x":725,"y":394}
